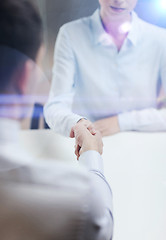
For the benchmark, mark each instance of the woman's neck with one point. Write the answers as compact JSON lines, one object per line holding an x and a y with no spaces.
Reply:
{"x":117,"y":27}
{"x":113,"y":24}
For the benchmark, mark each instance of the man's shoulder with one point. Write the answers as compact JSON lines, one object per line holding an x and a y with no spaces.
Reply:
{"x":50,"y":172}
{"x":67,"y":174}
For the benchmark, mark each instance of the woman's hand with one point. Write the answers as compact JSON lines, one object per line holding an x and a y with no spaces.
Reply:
{"x":107,"y":126}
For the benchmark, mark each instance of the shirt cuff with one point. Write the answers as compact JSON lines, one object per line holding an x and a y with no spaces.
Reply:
{"x":125,"y":122}
{"x":92,"y":161}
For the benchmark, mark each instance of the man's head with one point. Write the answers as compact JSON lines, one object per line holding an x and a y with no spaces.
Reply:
{"x":20,"y":26}
{"x":21,"y":36}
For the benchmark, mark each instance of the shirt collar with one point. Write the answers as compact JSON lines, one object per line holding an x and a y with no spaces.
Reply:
{"x":102,"y":37}
{"x":134,"y":32}
{"x":98,"y":30}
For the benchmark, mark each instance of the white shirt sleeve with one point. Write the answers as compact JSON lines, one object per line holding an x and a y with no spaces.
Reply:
{"x":150,"y":119}
{"x":100,"y":215}
{"x":58,"y":109}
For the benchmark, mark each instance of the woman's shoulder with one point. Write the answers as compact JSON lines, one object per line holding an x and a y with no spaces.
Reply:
{"x":153,"y":29}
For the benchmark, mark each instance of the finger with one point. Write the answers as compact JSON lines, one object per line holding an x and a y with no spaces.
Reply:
{"x":80,"y":152}
{"x":77,"y":154}
{"x":91,"y":129}
{"x":77,"y":151}
{"x":72,"y":132}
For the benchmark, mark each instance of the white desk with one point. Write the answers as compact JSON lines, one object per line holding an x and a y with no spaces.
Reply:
{"x":135,"y":166}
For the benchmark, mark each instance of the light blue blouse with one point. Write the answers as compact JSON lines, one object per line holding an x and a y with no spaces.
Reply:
{"x":92,"y":79}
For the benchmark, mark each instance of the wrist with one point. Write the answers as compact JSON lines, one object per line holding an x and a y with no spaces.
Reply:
{"x":90,"y":147}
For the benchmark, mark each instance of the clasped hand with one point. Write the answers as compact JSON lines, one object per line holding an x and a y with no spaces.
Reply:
{"x":88,"y":135}
{"x":86,"y":138}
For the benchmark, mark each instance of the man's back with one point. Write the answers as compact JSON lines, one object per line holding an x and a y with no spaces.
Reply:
{"x":39,"y":213}
{"x":49,"y":198}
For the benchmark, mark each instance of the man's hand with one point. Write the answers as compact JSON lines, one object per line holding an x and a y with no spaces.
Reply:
{"x":107,"y":126}
{"x":86,"y":141}
{"x":86,"y":123}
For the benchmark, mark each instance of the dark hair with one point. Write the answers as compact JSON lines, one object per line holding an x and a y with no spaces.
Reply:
{"x":21,"y":36}
{"x":21,"y":26}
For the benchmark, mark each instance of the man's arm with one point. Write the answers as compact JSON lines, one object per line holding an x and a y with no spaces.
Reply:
{"x":89,"y":155}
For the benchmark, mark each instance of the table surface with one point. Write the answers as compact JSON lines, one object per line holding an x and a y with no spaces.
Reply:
{"x":135,"y":167}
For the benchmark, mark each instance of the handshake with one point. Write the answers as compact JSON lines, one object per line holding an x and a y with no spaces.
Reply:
{"x":86,"y":137}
